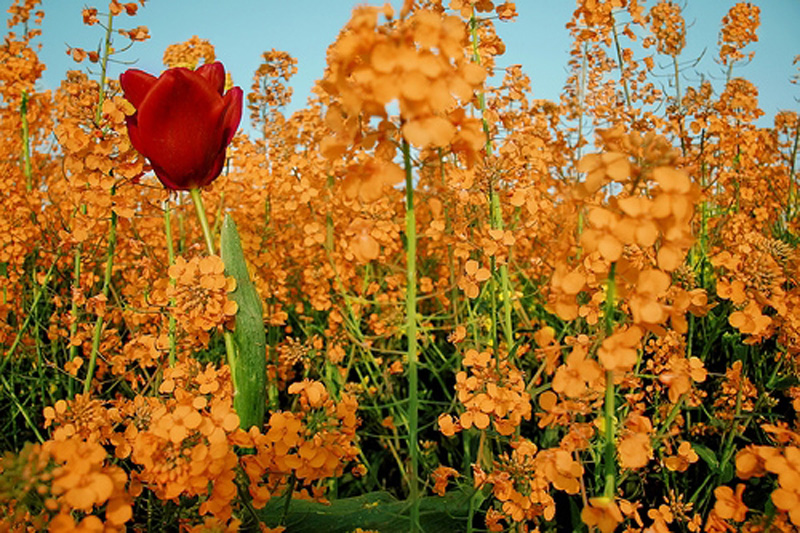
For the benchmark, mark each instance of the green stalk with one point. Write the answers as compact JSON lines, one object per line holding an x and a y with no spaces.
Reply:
{"x":411,"y":335}
{"x":201,"y":216}
{"x":98,"y":113}
{"x":112,"y":236}
{"x":21,"y":409}
{"x":505,"y":284}
{"x":581,"y":101}
{"x":98,"y":325}
{"x":448,"y":229}
{"x":791,"y":197}
{"x":610,"y":407}
{"x":678,"y":104}
{"x":703,"y":219}
{"x":74,"y":312}
{"x":621,"y":62}
{"x":36,"y":298}
{"x":496,"y":214}
{"x":26,"y":143}
{"x":609,"y":455}
{"x":171,"y":260}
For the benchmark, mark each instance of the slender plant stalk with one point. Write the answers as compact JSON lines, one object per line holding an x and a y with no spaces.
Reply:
{"x":678,"y":103}
{"x":21,"y":409}
{"x":171,"y":260}
{"x":703,"y":218}
{"x":621,"y":62}
{"x":107,"y":50}
{"x":791,"y":197}
{"x":26,"y":323}
{"x":581,"y":101}
{"x":610,"y":407}
{"x":411,"y":335}
{"x":112,"y":234}
{"x":98,"y":325}
{"x":201,"y":216}
{"x":74,"y":310}
{"x":496,"y":213}
{"x":609,"y":450}
{"x":26,"y":143}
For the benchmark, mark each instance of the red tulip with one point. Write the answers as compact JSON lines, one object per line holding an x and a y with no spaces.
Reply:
{"x":183,"y":122}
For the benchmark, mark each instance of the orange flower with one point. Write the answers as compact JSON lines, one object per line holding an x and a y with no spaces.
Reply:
{"x":312,"y":393}
{"x":750,"y":321}
{"x":602,"y":513}
{"x":441,"y":476}
{"x":619,"y":352}
{"x":634,"y":450}
{"x":572,"y":378}
{"x":686,"y":456}
{"x":474,"y":275}
{"x":448,"y":426}
{"x":729,"y":505}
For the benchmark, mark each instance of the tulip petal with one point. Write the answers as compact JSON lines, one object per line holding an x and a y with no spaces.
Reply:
{"x":136,"y":84}
{"x":214,"y":169}
{"x":165,"y":179}
{"x":132,"y":122}
{"x":233,"y":113}
{"x":215,"y":74}
{"x":180,"y":128}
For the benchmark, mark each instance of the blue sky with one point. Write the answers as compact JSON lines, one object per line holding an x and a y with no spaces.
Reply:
{"x":241,"y":30}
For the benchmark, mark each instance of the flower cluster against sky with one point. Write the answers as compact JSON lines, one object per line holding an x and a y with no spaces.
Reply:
{"x":241,"y":30}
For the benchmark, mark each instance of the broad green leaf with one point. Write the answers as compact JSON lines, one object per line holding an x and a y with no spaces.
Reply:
{"x":248,"y":369}
{"x":707,"y":455}
{"x":377,"y":511}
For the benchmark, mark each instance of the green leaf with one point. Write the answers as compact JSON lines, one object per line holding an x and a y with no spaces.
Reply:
{"x":708,"y":456}
{"x":249,"y":366}
{"x":376,"y":510}
{"x":727,"y":472}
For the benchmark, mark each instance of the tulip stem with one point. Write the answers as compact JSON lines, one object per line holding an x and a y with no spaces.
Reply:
{"x":230,"y":346}
{"x":201,"y":215}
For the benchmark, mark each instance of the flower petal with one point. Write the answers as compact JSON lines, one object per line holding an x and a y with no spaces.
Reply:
{"x":233,"y":113}
{"x":214,"y":73}
{"x":180,"y":130}
{"x":136,"y":84}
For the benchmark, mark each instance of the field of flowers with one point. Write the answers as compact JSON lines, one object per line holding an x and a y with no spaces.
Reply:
{"x":424,"y":302}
